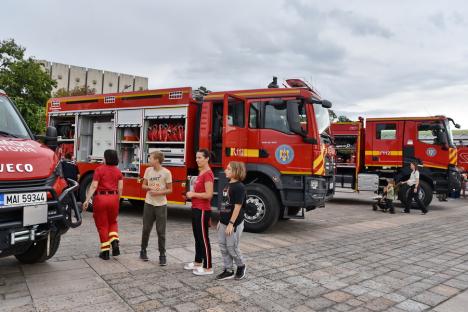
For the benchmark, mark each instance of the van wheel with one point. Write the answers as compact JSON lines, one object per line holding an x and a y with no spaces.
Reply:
{"x":37,"y":252}
{"x":261,"y":209}
{"x":85,"y":183}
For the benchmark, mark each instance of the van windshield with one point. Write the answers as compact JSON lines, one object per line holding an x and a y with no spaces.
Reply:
{"x":11,"y":124}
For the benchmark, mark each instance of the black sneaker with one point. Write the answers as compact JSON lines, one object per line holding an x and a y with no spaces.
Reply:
{"x":162,"y":260}
{"x":143,"y":255}
{"x":225,"y":275}
{"x":240,"y":272}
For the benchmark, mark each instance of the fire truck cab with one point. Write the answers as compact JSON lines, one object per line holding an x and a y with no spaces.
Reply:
{"x":278,"y":133}
{"x":37,"y":205}
{"x":367,"y":156}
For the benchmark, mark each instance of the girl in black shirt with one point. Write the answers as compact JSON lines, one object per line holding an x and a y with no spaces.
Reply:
{"x":231,"y":221}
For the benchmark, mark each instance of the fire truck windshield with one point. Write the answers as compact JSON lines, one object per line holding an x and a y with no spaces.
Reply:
{"x":11,"y":124}
{"x":449,"y":133}
{"x":322,"y":117}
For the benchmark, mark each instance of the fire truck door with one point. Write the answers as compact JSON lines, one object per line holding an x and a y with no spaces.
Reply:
{"x":235,"y":130}
{"x":431,"y":145}
{"x":387,"y":144}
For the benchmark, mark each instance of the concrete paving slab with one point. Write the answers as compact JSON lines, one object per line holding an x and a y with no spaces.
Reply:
{"x":459,"y":303}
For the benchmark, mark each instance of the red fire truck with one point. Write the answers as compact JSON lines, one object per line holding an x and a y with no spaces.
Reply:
{"x":37,"y":205}
{"x":278,"y":133}
{"x":367,"y":156}
{"x":462,"y":157}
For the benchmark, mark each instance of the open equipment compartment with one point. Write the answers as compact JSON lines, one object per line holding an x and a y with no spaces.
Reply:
{"x":97,"y":134}
{"x":165,"y":131}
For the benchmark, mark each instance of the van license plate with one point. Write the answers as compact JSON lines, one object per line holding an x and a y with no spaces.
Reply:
{"x":22,"y":199}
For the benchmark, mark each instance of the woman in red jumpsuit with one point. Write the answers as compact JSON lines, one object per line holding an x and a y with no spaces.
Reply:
{"x":107,"y":188}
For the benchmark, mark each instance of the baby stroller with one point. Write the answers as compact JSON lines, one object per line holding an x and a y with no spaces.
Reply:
{"x":385,"y":202}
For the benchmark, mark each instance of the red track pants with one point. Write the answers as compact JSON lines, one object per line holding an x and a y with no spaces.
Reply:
{"x":105,"y":212}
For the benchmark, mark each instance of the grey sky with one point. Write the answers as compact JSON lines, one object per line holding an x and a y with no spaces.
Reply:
{"x":370,"y":58}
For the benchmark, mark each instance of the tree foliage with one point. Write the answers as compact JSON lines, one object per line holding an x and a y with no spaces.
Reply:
{"x":26,"y":83}
{"x":343,"y":118}
{"x":83,"y":90}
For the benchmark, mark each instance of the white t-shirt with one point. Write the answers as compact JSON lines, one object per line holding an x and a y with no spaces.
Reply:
{"x":158,"y":179}
{"x":413,"y":178}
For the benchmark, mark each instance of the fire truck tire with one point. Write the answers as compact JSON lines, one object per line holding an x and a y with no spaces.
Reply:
{"x":85,"y":183}
{"x":425,"y":189}
{"x":262,"y":208}
{"x":428,"y":192}
{"x":37,"y":252}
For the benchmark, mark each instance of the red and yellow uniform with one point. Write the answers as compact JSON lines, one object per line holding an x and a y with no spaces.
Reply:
{"x":106,"y":204}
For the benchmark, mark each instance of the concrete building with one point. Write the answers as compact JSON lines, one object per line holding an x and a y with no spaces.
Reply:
{"x":69,"y":77}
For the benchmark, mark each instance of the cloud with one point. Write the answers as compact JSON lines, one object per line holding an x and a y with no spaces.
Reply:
{"x":359,"y":25}
{"x":363,"y":56}
{"x":449,"y":101}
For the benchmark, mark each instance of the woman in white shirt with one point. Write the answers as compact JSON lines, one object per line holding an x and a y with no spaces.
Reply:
{"x":413,"y":193}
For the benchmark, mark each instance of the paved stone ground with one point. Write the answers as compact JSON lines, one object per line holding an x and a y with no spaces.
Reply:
{"x":341,"y":258}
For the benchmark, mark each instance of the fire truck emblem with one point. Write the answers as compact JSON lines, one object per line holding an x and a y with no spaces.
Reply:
{"x":431,"y":152}
{"x":284,"y":154}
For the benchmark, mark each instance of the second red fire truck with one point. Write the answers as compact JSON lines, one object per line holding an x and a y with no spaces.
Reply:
{"x":367,"y":155}
{"x":279,"y":133}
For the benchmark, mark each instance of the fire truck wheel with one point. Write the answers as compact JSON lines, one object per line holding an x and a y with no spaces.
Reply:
{"x":425,"y":193}
{"x":85,"y":183}
{"x":262,"y":208}
{"x":37,"y":252}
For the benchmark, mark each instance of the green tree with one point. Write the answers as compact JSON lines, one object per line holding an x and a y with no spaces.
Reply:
{"x":26,"y":83}
{"x":84,"y":90}
{"x":343,"y":118}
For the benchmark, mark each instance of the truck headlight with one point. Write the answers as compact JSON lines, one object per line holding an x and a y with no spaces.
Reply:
{"x":314,"y":184}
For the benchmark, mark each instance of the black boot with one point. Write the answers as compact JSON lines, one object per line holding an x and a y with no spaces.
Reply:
{"x":115,"y":248}
{"x":104,"y":255}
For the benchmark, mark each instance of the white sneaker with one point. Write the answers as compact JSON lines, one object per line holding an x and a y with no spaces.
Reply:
{"x":202,"y":271}
{"x":191,"y":266}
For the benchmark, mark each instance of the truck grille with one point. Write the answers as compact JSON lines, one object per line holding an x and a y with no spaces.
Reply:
{"x":23,"y":184}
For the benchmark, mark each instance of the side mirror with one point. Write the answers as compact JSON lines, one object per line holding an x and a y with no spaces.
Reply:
{"x":51,"y":138}
{"x":326,"y":104}
{"x":457,"y":126}
{"x":293,"y":119}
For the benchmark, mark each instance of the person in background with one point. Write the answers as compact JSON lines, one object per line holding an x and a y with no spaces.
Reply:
{"x":157,"y":183}
{"x":231,"y":221}
{"x":201,"y":215}
{"x":413,"y":193}
{"x":107,"y":188}
{"x":463,"y":184}
{"x":388,"y":196}
{"x":70,"y":169}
